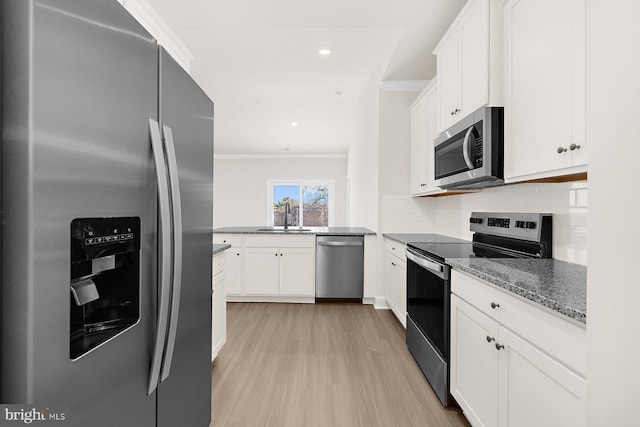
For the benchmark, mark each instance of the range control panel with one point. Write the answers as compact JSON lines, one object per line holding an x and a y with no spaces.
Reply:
{"x":517,"y":225}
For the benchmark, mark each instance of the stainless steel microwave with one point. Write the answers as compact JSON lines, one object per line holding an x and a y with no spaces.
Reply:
{"x":469,"y":154}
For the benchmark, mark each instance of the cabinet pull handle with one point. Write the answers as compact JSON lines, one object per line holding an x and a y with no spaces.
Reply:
{"x":456,"y":111}
{"x":499,"y":346}
{"x":489,"y":339}
{"x":561,"y":150}
{"x":574,"y":147}
{"x":494,"y":305}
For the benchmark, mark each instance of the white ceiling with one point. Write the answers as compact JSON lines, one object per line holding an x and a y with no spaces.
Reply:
{"x":258,"y":60}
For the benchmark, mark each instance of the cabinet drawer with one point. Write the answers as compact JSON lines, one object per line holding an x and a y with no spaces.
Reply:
{"x":395,"y":248}
{"x":231,"y":239}
{"x":270,"y":241}
{"x":563,"y":339}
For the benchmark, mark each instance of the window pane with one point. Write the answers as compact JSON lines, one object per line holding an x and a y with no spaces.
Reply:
{"x":315,"y":210}
{"x":283,"y":194}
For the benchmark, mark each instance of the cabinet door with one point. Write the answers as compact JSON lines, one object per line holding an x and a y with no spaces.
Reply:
{"x":449,"y":81}
{"x":219,"y":317}
{"x":544,"y":86}
{"x":233,"y":270}
{"x":400,"y":284}
{"x":536,"y":389}
{"x":474,"y":58}
{"x":431,"y":100}
{"x":389,"y":281}
{"x":474,"y":363}
{"x":261,"y":271}
{"x":297,"y":273}
{"x":419,"y":143}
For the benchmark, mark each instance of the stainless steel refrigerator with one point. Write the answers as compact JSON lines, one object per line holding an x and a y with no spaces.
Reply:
{"x":107,"y":173}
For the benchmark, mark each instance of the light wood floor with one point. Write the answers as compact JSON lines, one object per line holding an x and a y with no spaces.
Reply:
{"x":324,"y":365}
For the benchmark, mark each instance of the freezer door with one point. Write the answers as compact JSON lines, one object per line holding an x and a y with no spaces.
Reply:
{"x":83,"y":81}
{"x":184,"y":397}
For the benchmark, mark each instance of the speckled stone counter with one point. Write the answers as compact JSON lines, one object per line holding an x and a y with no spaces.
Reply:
{"x":336,"y":231}
{"x":405,"y":238}
{"x":558,"y":285}
{"x":219,"y":247}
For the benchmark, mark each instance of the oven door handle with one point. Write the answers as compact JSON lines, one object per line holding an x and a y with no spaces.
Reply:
{"x":425,"y":263}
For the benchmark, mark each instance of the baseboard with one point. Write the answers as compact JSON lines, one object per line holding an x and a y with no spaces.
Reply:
{"x":381,"y":304}
{"x":275,"y":298}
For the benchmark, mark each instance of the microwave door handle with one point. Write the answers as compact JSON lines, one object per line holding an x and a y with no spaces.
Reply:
{"x":465,"y":149}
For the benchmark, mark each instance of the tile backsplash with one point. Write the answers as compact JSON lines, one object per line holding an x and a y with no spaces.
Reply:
{"x":568,"y":202}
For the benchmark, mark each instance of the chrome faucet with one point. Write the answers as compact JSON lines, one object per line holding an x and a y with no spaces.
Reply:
{"x":287,"y":212}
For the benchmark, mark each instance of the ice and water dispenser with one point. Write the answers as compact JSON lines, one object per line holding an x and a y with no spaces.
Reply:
{"x":105,"y":280}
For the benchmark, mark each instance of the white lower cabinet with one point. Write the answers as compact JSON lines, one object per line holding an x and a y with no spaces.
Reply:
{"x":233,"y":262}
{"x":395,"y":279}
{"x":262,"y":271}
{"x":297,"y":267}
{"x":218,"y":305}
{"x":514,"y":364}
{"x":282,"y":266}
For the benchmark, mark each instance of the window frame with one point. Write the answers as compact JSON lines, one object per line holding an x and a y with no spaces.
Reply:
{"x":330,"y":183}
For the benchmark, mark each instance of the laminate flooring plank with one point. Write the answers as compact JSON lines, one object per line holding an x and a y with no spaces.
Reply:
{"x":320,"y":365}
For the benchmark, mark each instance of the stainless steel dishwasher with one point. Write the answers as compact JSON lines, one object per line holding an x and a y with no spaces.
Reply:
{"x":339,"y":267}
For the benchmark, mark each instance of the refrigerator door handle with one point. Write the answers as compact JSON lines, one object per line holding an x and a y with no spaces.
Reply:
{"x":164,"y":242}
{"x":176,"y":232}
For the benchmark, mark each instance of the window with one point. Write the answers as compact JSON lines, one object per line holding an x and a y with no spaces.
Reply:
{"x":311,"y":203}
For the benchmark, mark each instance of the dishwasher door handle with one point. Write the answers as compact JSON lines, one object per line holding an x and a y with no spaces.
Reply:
{"x":339,"y":243}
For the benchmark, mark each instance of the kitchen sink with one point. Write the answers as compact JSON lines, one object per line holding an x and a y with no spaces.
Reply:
{"x":283,"y":230}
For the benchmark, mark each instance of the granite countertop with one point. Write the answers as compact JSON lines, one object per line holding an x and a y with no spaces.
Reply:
{"x":220,"y":247}
{"x":405,"y":238}
{"x":261,"y":229}
{"x":558,"y":285}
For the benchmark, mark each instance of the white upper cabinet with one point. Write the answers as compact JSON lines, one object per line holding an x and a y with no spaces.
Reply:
{"x":544,"y":88}
{"x":470,"y":62}
{"x":424,"y":129}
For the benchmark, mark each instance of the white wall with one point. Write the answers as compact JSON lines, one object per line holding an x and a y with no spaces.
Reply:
{"x":363,"y":161}
{"x":240,"y":186}
{"x":613,"y":291}
{"x":399,"y":212}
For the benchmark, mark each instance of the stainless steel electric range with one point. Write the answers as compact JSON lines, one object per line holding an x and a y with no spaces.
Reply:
{"x":496,"y":235}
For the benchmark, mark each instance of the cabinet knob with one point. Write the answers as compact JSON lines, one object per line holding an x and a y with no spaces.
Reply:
{"x":561,"y":150}
{"x":393,"y":264}
{"x":238,"y":254}
{"x":489,"y":339}
{"x":499,"y":346}
{"x":276,"y":254}
{"x":495,"y":305}
{"x":280,"y":254}
{"x":574,"y":147}
{"x":423,"y":185}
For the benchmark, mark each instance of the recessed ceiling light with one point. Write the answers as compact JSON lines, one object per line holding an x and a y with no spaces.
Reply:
{"x":324,"y":52}
{"x":294,"y":124}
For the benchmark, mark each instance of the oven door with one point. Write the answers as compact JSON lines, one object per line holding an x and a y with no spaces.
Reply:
{"x":428,"y":299}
